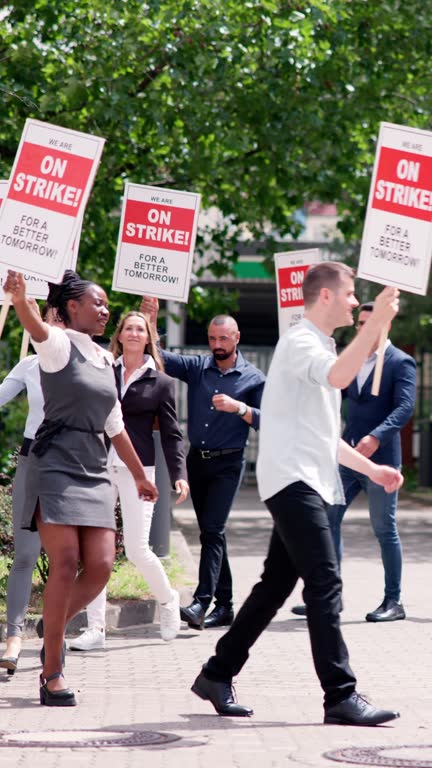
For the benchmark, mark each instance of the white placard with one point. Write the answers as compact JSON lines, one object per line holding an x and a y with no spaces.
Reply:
{"x":36,"y":287}
{"x":156,"y":242}
{"x":397,"y":238}
{"x":291,"y":268}
{"x":46,"y":195}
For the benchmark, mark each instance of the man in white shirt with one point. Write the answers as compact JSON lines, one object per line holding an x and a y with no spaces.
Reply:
{"x":372,"y":426}
{"x":297,"y":472}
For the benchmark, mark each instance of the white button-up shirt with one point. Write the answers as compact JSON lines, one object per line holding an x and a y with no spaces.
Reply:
{"x":25,"y":375}
{"x":300,"y":416}
{"x":113,"y":457}
{"x":367,"y":367}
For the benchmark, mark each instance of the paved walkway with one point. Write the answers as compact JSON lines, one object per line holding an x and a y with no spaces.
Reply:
{"x":142,"y":684}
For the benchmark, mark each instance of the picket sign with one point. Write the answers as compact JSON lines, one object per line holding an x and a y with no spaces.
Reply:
{"x":156,"y":242}
{"x":396,"y":245}
{"x":4,"y":311}
{"x":291,"y":268}
{"x":376,"y":382}
{"x":45,"y":198}
{"x":42,"y":207}
{"x":24,"y":344}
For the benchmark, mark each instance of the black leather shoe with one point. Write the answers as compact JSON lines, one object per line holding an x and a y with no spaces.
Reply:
{"x":357,"y":711}
{"x":300,"y":610}
{"x":220,"y":695}
{"x":219,"y":617}
{"x":193,"y":615}
{"x":389,"y":610}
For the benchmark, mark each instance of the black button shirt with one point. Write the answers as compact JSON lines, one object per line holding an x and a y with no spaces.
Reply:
{"x":209,"y":429}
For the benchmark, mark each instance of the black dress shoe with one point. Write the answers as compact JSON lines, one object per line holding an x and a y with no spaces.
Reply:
{"x":357,"y":711}
{"x":219,"y":617}
{"x":301,"y":610}
{"x":389,"y":610}
{"x":221,"y":696}
{"x":193,"y":615}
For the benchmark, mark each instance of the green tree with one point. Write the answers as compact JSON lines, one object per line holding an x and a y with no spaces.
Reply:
{"x":260,"y":105}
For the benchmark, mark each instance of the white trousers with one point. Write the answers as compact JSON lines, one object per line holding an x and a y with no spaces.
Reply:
{"x":137,"y":517}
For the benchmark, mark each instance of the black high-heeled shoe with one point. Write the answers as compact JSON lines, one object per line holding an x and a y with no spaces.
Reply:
{"x":64,"y":698}
{"x":10,"y":663}
{"x":40,"y":633}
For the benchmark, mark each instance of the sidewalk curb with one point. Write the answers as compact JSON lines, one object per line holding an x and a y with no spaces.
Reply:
{"x":422,"y":496}
{"x":129,"y":613}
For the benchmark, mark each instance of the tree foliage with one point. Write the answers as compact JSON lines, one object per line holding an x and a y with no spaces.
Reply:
{"x":259,"y":105}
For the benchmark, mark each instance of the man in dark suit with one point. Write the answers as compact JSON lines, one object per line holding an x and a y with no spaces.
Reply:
{"x":372,"y":426}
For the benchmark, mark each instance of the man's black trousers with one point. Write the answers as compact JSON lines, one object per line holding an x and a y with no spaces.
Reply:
{"x":213,"y":484}
{"x":301,"y":546}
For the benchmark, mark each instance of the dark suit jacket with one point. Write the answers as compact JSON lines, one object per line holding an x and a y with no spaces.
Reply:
{"x":385,"y":415}
{"x":149,"y":397}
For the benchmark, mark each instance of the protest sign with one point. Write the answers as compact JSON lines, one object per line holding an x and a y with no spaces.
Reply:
{"x":291,"y":268}
{"x":36,"y":287}
{"x":156,"y":242}
{"x":45,"y":198}
{"x":397,"y":238}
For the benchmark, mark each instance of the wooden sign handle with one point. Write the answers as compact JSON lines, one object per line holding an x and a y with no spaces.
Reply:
{"x":376,"y":383}
{"x":7,"y":301}
{"x":24,"y":344}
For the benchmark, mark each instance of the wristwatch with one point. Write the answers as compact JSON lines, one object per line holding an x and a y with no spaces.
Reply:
{"x":242,"y":409}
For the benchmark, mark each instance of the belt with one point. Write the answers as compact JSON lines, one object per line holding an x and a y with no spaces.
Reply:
{"x":221,"y":452}
{"x":49,"y":429}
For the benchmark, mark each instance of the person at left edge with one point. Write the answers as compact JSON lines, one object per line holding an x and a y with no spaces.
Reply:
{"x":24,"y":376}
{"x":224,"y":397}
{"x":68,"y":492}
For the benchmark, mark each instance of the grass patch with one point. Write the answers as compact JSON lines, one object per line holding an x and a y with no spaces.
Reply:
{"x":126,"y":583}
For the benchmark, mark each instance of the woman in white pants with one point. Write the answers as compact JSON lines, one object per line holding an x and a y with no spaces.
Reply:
{"x":147,"y":397}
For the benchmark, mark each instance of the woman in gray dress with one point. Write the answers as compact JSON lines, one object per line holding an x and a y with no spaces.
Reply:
{"x":68,"y":493}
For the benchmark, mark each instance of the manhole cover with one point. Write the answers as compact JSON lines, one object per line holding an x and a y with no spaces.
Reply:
{"x":85,"y":739}
{"x":405,"y":756}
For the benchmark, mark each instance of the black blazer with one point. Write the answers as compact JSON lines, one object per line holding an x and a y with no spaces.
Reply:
{"x":151,"y":397}
{"x":385,"y":415}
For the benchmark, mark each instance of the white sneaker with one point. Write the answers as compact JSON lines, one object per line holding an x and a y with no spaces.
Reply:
{"x":169,"y":617}
{"x":90,"y":640}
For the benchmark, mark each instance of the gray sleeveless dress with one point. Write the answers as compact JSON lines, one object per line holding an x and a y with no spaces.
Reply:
{"x":70,"y":477}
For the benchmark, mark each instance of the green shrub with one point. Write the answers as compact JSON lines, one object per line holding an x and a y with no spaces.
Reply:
{"x":12,"y":422}
{"x":6,"y":532}
{"x":6,"y":525}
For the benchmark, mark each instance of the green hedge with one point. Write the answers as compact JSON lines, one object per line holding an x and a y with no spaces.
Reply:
{"x":6,"y":528}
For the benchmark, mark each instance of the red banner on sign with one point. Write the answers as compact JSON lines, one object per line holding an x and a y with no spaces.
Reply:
{"x":158,"y":226}
{"x":403,"y":184}
{"x":49,"y":178}
{"x":290,"y":286}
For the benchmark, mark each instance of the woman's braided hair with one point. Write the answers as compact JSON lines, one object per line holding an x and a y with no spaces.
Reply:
{"x":72,"y":286}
